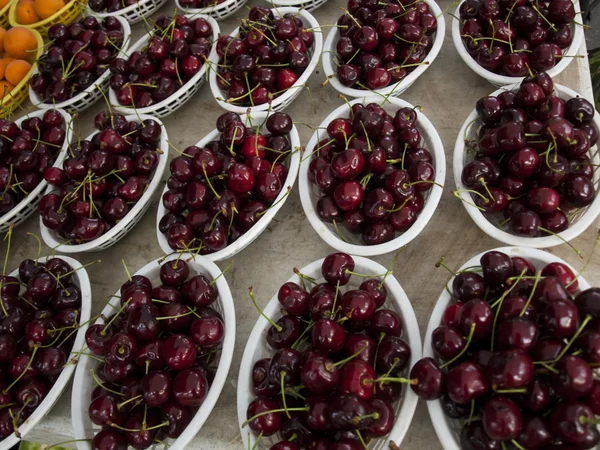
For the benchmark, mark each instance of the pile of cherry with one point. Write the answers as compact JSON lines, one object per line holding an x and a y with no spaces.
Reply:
{"x":510,"y":37}
{"x":195,"y":4}
{"x":159,"y":352}
{"x":177,"y":50}
{"x":265,"y":60}
{"x":78,"y":55}
{"x":382,"y":42}
{"x":38,"y":325}
{"x":109,"y":6}
{"x":26,"y":151}
{"x":219,"y":192}
{"x":101,"y":179}
{"x":372,"y":172}
{"x":514,"y":357}
{"x":330,"y":381}
{"x":533,"y":158}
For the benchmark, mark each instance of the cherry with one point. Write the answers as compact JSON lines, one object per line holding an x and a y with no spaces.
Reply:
{"x":431,"y":381}
{"x":179,"y":352}
{"x":178,"y":418}
{"x":501,"y":419}
{"x":337,"y":267}
{"x":574,"y":378}
{"x":109,"y":439}
{"x":190,"y":387}
{"x":510,"y":369}
{"x":466,"y":382}
{"x":267,"y":424}
{"x":573,"y":424}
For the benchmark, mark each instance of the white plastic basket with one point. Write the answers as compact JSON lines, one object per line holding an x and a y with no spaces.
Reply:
{"x":219,"y":11}
{"x":89,"y":96}
{"x":28,"y":205}
{"x":503,"y":80}
{"x":448,"y":430}
{"x":134,"y":13}
{"x":257,"y":348}
{"x":83,"y":385}
{"x":81,"y":279}
{"x":330,"y":66}
{"x":308,"y":5}
{"x":184,"y":93}
{"x":309,"y":193}
{"x":124,"y":226}
{"x":251,"y":235}
{"x":461,"y":157}
{"x":285,"y":99}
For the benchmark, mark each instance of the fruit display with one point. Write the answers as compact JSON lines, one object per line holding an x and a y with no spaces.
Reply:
{"x":532,"y":173}
{"x":110,"y":6}
{"x":30,"y":12}
{"x":28,"y":148}
{"x":78,"y":56}
{"x":331,"y":368}
{"x":380,"y":43}
{"x":217,"y":192}
{"x":104,"y":177}
{"x":157,"y":356}
{"x":371,"y":171}
{"x":512,"y":37}
{"x":265,"y":57}
{"x":163,"y":62}
{"x":18,"y":47}
{"x":45,"y":310}
{"x":512,"y":361}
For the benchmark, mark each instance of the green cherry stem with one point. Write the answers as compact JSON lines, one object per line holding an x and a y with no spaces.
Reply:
{"x":465,"y":348}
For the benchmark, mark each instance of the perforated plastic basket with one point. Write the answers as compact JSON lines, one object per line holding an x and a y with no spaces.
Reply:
{"x":66,"y":15}
{"x":116,"y":233}
{"x":28,"y":205}
{"x":219,"y":11}
{"x":183,"y":94}
{"x":134,"y":13}
{"x":14,"y":98}
{"x":285,"y":99}
{"x":89,"y":96}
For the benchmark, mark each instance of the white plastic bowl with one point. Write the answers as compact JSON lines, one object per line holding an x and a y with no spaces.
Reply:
{"x":285,"y":99}
{"x":53,"y":240}
{"x":219,"y":12}
{"x":81,"y":279}
{"x":309,"y":193}
{"x":503,"y":80}
{"x":28,"y":205}
{"x":260,"y":226}
{"x":83,"y":384}
{"x":448,"y":430}
{"x":184,"y":93}
{"x":307,"y":5}
{"x":256,"y":348}
{"x":330,"y":65}
{"x":134,"y":13}
{"x":461,"y":157}
{"x":89,"y":96}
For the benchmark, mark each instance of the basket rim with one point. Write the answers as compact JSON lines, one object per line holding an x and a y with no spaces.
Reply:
{"x":401,"y":303}
{"x":574,"y":230}
{"x":25,"y":81}
{"x":35,"y":99}
{"x":202,"y":265}
{"x":258,"y":228}
{"x":48,"y":235}
{"x":7,"y":7}
{"x":431,"y":203}
{"x":502,"y":80}
{"x":443,"y":429}
{"x":393,"y":89}
{"x":208,"y":10}
{"x":12,"y":15}
{"x":125,"y":10}
{"x":297,"y":87}
{"x":58,"y":163}
{"x":191,"y":82}
{"x":66,"y":374}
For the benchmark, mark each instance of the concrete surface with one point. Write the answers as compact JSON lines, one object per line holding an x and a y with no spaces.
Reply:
{"x":447,"y":91}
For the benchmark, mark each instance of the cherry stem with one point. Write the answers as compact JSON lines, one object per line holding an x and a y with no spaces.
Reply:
{"x":208,"y":181}
{"x":22,"y":374}
{"x":348,"y":359}
{"x":366,"y":275}
{"x":126,"y":269}
{"x":457,"y":195}
{"x":222,"y":272}
{"x":112,"y":319}
{"x":441,"y":263}
{"x":465,"y":348}
{"x":282,"y":375}
{"x":586,"y":263}
{"x":60,"y":444}
{"x":99,"y":383}
{"x":511,"y":391}
{"x":337,"y":291}
{"x":545,"y":365}
{"x":412,"y":381}
{"x":562,"y":239}
{"x":535,"y":283}
{"x":132,"y":399}
{"x":356,"y":419}
{"x":573,"y":339}
{"x":499,"y":304}
{"x":137,"y":430}
{"x":306,"y":330}
{"x":472,"y":411}
{"x":264,"y":413}
{"x":8,"y":238}
{"x":279,"y":328}
{"x":304,"y":277}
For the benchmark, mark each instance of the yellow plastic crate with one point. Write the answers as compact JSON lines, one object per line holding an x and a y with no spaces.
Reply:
{"x":13,"y":100}
{"x":66,"y":15}
{"x":4,"y":14}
